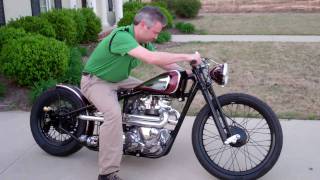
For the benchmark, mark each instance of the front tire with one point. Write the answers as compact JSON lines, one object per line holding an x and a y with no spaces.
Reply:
{"x":253,"y":155}
{"x":46,"y":126}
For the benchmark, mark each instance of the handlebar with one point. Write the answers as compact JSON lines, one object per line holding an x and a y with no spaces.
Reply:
{"x":193,"y":62}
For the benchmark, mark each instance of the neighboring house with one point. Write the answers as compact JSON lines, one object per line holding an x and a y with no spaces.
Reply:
{"x":109,"y":11}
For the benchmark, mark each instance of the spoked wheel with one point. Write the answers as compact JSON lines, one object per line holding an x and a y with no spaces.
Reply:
{"x":254,"y":153}
{"x":49,"y":128}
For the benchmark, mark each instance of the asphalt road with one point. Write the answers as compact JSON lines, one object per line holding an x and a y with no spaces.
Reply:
{"x":21,"y":158}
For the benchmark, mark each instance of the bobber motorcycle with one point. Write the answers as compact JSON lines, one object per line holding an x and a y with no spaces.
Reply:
{"x":234,"y":136}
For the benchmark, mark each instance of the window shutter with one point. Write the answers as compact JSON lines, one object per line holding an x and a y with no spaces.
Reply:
{"x":2,"y":17}
{"x":35,"y":6}
{"x":57,"y":4}
{"x":84,"y":3}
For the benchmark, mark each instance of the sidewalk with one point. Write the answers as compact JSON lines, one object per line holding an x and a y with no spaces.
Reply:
{"x":244,"y":38}
{"x":21,"y":157}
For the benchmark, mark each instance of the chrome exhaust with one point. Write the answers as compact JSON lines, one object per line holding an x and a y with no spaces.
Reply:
{"x":137,"y":120}
{"x":147,"y":121}
{"x":90,"y":118}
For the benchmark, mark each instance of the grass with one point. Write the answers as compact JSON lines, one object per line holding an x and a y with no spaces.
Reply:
{"x":285,"y":75}
{"x":258,"y":24}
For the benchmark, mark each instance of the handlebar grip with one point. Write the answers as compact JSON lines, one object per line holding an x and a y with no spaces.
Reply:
{"x":193,"y":62}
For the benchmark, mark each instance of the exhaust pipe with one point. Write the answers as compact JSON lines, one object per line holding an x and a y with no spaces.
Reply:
{"x":138,"y":120}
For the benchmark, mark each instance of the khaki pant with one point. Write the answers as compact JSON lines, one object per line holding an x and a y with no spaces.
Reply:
{"x":104,"y":96}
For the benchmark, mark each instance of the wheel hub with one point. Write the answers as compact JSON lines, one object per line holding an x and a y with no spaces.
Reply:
{"x":243,"y":136}
{"x":59,"y":120}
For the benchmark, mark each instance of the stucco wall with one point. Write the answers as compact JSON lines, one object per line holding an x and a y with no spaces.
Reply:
{"x":16,"y":8}
{"x":68,"y":3}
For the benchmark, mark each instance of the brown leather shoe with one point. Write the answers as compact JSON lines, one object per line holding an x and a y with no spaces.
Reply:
{"x":111,"y":176}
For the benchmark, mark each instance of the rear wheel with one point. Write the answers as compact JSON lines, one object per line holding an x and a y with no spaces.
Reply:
{"x":48,"y":128}
{"x":258,"y":148}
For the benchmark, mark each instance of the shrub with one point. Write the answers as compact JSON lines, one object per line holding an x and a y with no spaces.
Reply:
{"x":133,"y":6}
{"x":185,"y":27}
{"x":168,"y":15}
{"x":187,"y":8}
{"x":164,"y":36}
{"x":159,"y":3}
{"x":34,"y":24}
{"x":75,"y":67}
{"x":94,"y":26}
{"x":83,"y":51}
{"x":40,"y":87}
{"x":64,"y":25}
{"x":80,"y":20}
{"x":9,"y":33}
{"x":127,"y":18}
{"x":33,"y":58}
{"x":2,"y":90}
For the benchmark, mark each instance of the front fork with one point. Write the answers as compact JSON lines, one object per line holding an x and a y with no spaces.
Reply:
{"x":216,"y":111}
{"x":217,"y":114}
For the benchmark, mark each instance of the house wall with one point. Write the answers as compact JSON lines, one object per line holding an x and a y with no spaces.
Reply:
{"x":14,"y":9}
{"x":71,"y":3}
{"x":17,"y":8}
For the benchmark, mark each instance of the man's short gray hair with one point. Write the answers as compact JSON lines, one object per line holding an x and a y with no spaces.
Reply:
{"x":150,"y":15}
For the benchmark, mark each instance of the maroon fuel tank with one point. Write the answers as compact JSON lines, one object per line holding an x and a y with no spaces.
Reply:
{"x":166,"y":83}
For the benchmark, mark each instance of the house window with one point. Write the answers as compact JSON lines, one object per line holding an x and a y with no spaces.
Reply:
{"x":40,"y":6}
{"x":46,"y":5}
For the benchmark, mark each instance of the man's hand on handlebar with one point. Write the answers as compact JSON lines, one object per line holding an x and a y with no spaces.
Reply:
{"x":195,"y":59}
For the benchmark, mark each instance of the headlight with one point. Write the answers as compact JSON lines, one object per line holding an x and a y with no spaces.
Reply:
{"x":219,"y":74}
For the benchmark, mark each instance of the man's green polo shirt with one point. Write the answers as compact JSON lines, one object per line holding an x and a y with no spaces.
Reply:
{"x":116,"y":65}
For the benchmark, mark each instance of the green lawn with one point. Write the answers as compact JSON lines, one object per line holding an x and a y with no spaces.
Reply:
{"x":258,"y":23}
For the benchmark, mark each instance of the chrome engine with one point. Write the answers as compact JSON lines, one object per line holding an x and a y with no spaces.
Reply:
{"x":145,"y":120}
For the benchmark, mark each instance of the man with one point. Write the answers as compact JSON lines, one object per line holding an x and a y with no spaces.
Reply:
{"x":108,"y":69}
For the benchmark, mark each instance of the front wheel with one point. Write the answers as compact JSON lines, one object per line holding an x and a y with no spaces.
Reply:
{"x":258,"y":148}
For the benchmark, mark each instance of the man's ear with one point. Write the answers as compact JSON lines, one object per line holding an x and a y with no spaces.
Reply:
{"x":143,"y":24}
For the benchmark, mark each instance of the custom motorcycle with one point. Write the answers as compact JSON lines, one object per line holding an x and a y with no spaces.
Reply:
{"x":234,"y":136}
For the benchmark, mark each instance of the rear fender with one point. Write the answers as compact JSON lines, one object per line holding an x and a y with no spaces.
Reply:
{"x":76,"y":91}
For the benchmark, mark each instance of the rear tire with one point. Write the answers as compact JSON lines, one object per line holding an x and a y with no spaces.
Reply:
{"x":248,"y":159}
{"x":45,"y":126}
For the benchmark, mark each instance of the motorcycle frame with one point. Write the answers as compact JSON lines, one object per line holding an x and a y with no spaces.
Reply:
{"x":199,"y":82}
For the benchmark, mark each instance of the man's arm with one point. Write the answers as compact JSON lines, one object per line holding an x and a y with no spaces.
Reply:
{"x":175,"y":66}
{"x":162,"y":59}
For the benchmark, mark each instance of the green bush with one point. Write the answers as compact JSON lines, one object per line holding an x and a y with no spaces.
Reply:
{"x":185,"y":27}
{"x":168,"y":15}
{"x":159,"y":3}
{"x":163,"y":37}
{"x":75,"y":67}
{"x":187,"y":8}
{"x":33,"y":58}
{"x":64,"y":25}
{"x":133,"y":6}
{"x":80,"y":20}
{"x":34,"y":24}
{"x":2,"y":90}
{"x":40,"y":87}
{"x":94,"y":26}
{"x":83,"y":51}
{"x":9,"y":33}
{"x":127,"y":19}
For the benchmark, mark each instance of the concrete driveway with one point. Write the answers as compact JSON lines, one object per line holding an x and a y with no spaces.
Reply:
{"x":22,"y":159}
